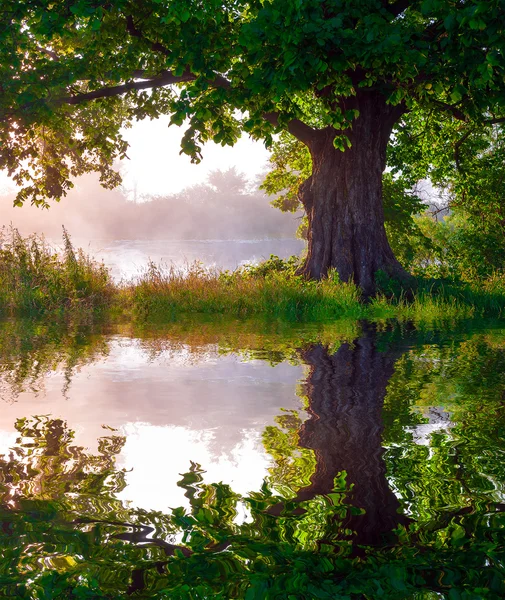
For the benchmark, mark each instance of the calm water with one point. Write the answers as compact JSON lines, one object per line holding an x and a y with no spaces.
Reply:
{"x":127,"y":258}
{"x":252,"y":460}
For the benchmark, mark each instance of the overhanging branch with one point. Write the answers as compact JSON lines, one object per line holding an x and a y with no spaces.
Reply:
{"x":166,"y":78}
{"x":297,"y":128}
{"x":455,"y":112}
{"x":300,"y":130}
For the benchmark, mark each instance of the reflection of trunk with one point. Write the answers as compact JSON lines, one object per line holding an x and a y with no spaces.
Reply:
{"x":343,"y":198}
{"x":346,"y":393}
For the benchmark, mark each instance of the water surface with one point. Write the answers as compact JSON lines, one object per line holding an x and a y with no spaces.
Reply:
{"x":128,"y":258}
{"x":338,"y":461}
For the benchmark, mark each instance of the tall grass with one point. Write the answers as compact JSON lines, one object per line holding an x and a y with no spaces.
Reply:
{"x":273,"y":289}
{"x":36,"y":278}
{"x":160,"y":292}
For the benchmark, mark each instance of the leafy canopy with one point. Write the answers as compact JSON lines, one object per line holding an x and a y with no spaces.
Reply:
{"x":74,"y":72}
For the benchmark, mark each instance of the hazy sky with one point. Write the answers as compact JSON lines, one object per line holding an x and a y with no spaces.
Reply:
{"x":157,"y":168}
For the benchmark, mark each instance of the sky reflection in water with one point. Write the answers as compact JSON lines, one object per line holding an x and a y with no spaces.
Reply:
{"x":190,"y":407}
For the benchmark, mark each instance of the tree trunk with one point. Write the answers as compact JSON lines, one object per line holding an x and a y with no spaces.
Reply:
{"x":343,"y":198}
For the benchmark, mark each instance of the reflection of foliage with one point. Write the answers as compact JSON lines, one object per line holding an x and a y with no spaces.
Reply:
{"x":261,"y":339}
{"x":48,"y":485}
{"x":293,"y":466}
{"x":30,"y":350}
{"x":459,"y":471}
{"x":64,"y":533}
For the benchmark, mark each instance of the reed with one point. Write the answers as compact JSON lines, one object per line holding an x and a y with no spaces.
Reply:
{"x":162,"y":292}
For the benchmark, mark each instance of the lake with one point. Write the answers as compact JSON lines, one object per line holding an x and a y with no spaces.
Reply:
{"x":128,"y":258}
{"x":236,"y":459}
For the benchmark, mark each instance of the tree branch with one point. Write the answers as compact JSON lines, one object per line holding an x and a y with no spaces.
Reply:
{"x":456,"y":113}
{"x":494,"y":121}
{"x":166,"y":78}
{"x":458,"y":145}
{"x":134,"y":32}
{"x":300,"y":130}
{"x":297,"y":128}
{"x":49,"y":53}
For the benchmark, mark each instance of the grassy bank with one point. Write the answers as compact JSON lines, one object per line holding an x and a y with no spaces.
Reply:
{"x":37,"y":279}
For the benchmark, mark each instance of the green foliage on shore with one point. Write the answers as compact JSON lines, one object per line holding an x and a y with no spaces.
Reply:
{"x":272,"y":288}
{"x":36,"y":279}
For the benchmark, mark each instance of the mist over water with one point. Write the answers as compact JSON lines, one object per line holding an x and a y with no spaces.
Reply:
{"x":226,"y":207}
{"x":129,"y":258}
{"x":223,"y":223}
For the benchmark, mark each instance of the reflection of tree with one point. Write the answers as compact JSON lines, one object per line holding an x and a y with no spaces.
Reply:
{"x":64,"y":534}
{"x":346,"y":392}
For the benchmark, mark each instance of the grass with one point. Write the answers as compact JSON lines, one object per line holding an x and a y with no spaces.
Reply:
{"x":161,"y":292}
{"x":37,"y":279}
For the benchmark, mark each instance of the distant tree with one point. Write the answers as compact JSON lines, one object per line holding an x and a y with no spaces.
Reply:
{"x":339,"y":76}
{"x":227,"y":182}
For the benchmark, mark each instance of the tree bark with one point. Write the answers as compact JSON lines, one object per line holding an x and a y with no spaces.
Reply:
{"x":343,"y":198}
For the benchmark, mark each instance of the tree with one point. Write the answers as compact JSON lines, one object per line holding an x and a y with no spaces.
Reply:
{"x":336,"y":75}
{"x":229,"y":181}
{"x":291,"y":166}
